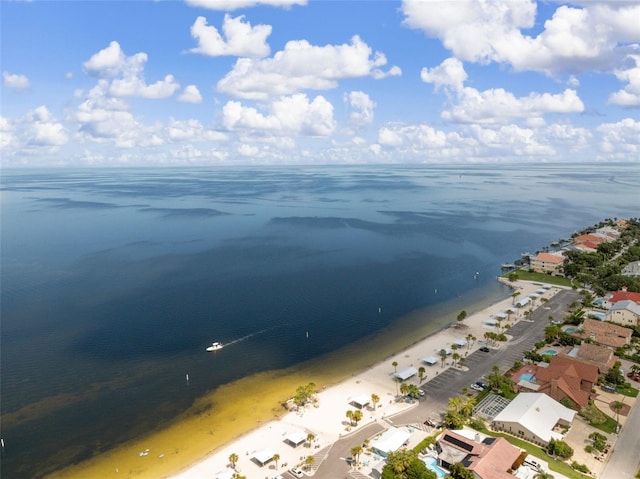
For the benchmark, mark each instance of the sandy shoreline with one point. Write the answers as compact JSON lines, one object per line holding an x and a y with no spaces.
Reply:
{"x":327,"y":420}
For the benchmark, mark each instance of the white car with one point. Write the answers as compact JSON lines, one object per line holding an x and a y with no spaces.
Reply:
{"x":296,"y":472}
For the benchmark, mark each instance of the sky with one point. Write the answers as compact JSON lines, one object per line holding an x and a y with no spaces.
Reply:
{"x":268,"y":82}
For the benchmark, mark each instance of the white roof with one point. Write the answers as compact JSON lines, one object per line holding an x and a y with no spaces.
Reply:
{"x":263,"y":455}
{"x":361,"y":400}
{"x":460,"y":342}
{"x":391,"y":440}
{"x":523,"y":302}
{"x":296,"y":437}
{"x":537,"y":413}
{"x":430,"y":360}
{"x":406,"y":373}
{"x":490,"y":322}
{"x":226,"y":474}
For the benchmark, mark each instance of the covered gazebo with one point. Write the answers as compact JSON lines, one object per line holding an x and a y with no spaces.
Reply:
{"x":430,"y":360}
{"x":360,"y":401}
{"x":406,"y":373}
{"x":295,"y":438}
{"x":263,"y":456}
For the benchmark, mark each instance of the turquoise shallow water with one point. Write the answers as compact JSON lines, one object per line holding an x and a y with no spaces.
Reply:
{"x":115,"y":281}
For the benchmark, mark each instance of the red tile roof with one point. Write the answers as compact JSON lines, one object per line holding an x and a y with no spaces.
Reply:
{"x":549,"y":258}
{"x":623,"y":296}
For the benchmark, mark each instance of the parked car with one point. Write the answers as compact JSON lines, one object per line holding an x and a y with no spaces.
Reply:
{"x":484,"y":349}
{"x":482,"y":385}
{"x":296,"y":472}
{"x":609,"y":389}
{"x":475,"y":387}
{"x":421,"y":391}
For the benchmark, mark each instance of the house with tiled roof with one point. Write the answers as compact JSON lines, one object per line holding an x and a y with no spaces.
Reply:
{"x":550,"y":263}
{"x":606,"y":333}
{"x":622,"y":295}
{"x":624,"y":312}
{"x":591,"y":238}
{"x":564,"y":377}
{"x":602,"y":357}
{"x":487,"y":458}
{"x":534,"y":417}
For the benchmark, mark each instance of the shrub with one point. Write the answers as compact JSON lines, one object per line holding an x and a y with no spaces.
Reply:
{"x":588,"y":448}
{"x":580,"y":467}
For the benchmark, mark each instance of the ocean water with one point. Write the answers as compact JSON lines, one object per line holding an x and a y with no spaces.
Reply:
{"x":114,"y":281}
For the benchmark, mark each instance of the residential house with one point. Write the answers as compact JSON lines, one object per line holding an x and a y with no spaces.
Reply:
{"x":603,"y":358}
{"x":487,"y":458}
{"x":606,"y":334}
{"x":550,"y":263}
{"x":565,"y":377}
{"x":624,"y":312}
{"x":621,"y":295}
{"x":534,"y":417}
{"x":632,"y":269}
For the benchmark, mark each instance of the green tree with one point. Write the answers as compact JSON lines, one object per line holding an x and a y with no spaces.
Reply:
{"x":276,"y":458}
{"x":349,"y":415}
{"x":395,"y":366}
{"x":514,"y":296}
{"x":356,"y":451}
{"x":443,"y":356}
{"x":357,"y":416}
{"x":559,"y":448}
{"x":421,"y":371}
{"x":311,"y":437}
{"x":375,"y":399}
{"x":309,"y":461}
{"x":233,"y":459}
{"x":405,"y":464}
{"x":458,"y":471}
{"x":542,"y":474}
{"x":617,"y":407}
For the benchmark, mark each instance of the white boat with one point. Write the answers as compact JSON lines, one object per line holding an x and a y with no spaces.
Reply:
{"x":215,"y":346}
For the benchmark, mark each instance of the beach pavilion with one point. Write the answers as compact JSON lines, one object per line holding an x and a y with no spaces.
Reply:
{"x":406,"y":373}
{"x":390,"y":441}
{"x":461,"y":343}
{"x":431,"y":360}
{"x":263,"y":456}
{"x":360,"y":401}
{"x":225,"y":474}
{"x":295,"y":438}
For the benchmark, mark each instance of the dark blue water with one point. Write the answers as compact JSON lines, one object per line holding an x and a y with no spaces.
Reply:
{"x":115,"y":280}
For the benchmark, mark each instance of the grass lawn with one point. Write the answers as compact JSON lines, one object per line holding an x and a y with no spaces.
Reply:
{"x":608,"y":426}
{"x":537,"y":451}
{"x":541,"y":277}
{"x":630,"y":391}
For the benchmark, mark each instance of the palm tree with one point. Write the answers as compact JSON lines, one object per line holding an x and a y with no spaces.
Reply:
{"x":514,"y":296}
{"x":310,"y":438}
{"x":421,"y":371}
{"x":276,"y":458}
{"x":470,"y":339}
{"x":542,"y":474}
{"x":397,"y":381}
{"x":309,"y":461}
{"x":356,"y":451}
{"x":357,"y":416}
{"x":375,"y":399}
{"x":443,"y":356}
{"x":404,"y":388}
{"x":617,"y":406}
{"x":233,"y":459}
{"x":455,"y":357}
{"x":395,"y":366}
{"x":349,"y":415}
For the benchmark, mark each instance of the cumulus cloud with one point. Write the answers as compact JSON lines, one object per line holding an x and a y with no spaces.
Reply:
{"x":15,"y":81}
{"x":229,"y":5}
{"x":629,"y":96}
{"x":363,"y":106}
{"x":293,"y":114}
{"x":574,"y":39}
{"x":301,"y":66}
{"x":191,"y":131}
{"x":240,"y":38}
{"x":621,"y":140}
{"x":499,"y":105}
{"x":126,"y":74}
{"x":449,"y":73}
{"x":191,"y":94}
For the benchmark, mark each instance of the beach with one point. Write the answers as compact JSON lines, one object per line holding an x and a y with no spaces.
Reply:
{"x":327,"y":421}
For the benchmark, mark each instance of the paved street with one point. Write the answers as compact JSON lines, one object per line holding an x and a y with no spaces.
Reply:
{"x":449,"y":383}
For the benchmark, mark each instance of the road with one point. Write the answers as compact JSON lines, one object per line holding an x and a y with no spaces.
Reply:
{"x":449,"y":383}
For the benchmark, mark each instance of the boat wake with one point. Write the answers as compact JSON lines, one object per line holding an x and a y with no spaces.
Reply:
{"x":216,"y":346}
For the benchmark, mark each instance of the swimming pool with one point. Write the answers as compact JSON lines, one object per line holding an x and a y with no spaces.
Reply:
{"x":527,"y":377}
{"x":570,"y":329}
{"x":550,"y":352}
{"x":433,"y":465}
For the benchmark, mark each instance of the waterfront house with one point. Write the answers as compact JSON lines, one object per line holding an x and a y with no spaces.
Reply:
{"x":550,"y":263}
{"x":625,"y":312}
{"x":606,"y":334}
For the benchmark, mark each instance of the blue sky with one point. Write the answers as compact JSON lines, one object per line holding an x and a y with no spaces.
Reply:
{"x":211,"y":82}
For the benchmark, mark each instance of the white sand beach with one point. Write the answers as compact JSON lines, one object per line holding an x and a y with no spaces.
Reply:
{"x":327,"y":420}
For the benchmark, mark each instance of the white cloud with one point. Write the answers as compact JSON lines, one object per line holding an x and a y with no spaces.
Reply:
{"x":293,"y":114}
{"x":126,"y":74}
{"x":621,"y":140}
{"x":420,"y":136}
{"x":191,"y":94}
{"x":301,"y":66}
{"x":449,"y":73}
{"x":15,"y":81}
{"x":191,"y":131}
{"x":242,"y":39}
{"x":229,"y":5}
{"x":573,"y":40}
{"x":363,"y":105}
{"x":629,"y":96}
{"x":499,"y":105}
